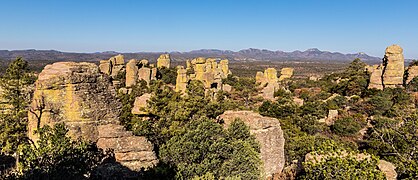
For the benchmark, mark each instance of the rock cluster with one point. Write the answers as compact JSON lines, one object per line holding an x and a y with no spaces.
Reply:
{"x":139,"y":70}
{"x":112,"y":66}
{"x":270,"y":82}
{"x":268,"y":133}
{"x":82,"y":98}
{"x":164,"y":61}
{"x":206,"y":70}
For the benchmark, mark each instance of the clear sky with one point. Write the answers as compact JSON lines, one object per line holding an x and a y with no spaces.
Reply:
{"x":347,"y":26}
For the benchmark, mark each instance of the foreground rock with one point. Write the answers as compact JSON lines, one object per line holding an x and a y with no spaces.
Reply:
{"x":268,"y":133}
{"x":78,"y":95}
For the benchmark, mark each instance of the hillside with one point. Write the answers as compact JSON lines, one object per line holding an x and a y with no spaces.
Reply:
{"x":242,"y":55}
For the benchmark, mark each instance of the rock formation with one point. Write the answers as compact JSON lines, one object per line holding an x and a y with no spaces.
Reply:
{"x":286,"y":73}
{"x":206,"y":70}
{"x":164,"y":61}
{"x":140,"y":104}
{"x":376,"y":72}
{"x":269,"y":81}
{"x":268,"y":133}
{"x":139,"y":70}
{"x":412,"y":72}
{"x":82,"y":98}
{"x":112,"y":66}
{"x":134,"y":152}
{"x":393,"y":70}
{"x":182,"y":79}
{"x":131,"y":73}
{"x":390,"y":74}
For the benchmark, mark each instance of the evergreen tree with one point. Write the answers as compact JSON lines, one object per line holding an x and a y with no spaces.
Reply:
{"x":15,"y":85}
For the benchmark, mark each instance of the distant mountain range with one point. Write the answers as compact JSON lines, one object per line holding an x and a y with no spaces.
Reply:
{"x":242,"y":55}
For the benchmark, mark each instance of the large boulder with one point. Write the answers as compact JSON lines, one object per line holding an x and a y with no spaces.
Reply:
{"x":268,"y":133}
{"x":393,"y":67}
{"x":82,"y":98}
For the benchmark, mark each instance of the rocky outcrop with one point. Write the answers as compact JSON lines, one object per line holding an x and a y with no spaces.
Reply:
{"x":286,"y":73}
{"x":206,"y":70}
{"x":140,"y":104}
{"x":164,"y":61}
{"x":112,"y":66}
{"x":131,"y":73}
{"x":182,"y":79}
{"x":393,"y":70}
{"x":134,"y":152}
{"x":139,"y":70}
{"x":82,"y":98}
{"x":376,"y":72}
{"x":268,"y":81}
{"x":412,"y":72}
{"x":268,"y":133}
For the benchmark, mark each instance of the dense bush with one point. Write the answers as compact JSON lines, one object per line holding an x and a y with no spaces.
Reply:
{"x":205,"y":147}
{"x":348,"y":126}
{"x":56,"y":156}
{"x":338,"y":163}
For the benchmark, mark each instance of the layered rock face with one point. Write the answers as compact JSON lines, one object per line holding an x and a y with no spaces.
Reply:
{"x":393,"y":70}
{"x":268,"y":133}
{"x":78,"y":95}
{"x":164,"y":61}
{"x":376,"y":72}
{"x":206,"y":70}
{"x":134,"y":152}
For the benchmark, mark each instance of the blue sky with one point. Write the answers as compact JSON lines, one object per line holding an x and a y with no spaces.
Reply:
{"x":347,"y":26}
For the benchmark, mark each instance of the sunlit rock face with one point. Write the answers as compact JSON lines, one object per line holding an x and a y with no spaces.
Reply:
{"x":393,"y":70}
{"x":164,"y":61}
{"x":268,"y":133}
{"x":412,"y":73}
{"x":78,"y":95}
